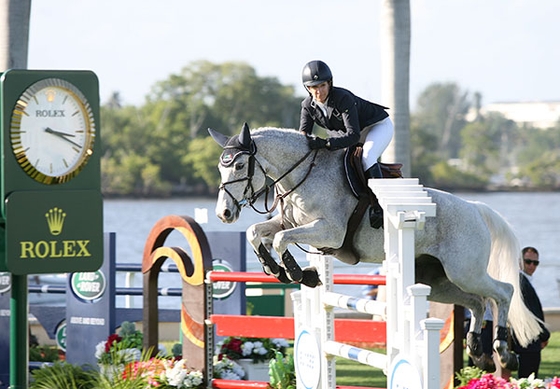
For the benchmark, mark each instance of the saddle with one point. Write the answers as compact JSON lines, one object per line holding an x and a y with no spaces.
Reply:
{"x":366,"y":198}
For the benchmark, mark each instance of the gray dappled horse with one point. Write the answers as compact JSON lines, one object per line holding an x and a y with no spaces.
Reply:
{"x":467,"y":253}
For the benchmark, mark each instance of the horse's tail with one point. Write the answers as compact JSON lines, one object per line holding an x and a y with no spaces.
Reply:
{"x":504,"y":266}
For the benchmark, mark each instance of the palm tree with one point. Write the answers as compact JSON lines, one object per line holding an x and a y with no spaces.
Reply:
{"x":14,"y":37}
{"x":395,"y":61}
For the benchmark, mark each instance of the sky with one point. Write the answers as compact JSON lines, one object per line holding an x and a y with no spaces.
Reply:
{"x":507,"y":50}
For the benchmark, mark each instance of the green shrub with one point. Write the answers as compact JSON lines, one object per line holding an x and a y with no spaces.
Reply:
{"x":62,"y":375}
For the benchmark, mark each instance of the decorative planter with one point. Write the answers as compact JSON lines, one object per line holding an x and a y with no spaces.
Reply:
{"x":254,"y":371}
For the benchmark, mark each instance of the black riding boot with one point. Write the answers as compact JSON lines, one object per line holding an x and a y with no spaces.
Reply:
{"x":374,"y":172}
{"x":375,"y":211}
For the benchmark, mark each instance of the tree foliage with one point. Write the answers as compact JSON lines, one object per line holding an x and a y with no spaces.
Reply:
{"x":162,"y":148}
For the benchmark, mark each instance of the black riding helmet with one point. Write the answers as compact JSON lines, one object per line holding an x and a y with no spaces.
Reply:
{"x":315,"y":73}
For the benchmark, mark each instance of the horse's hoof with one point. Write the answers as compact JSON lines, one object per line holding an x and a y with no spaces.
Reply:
{"x":311,"y":278}
{"x":508,"y":360}
{"x":485,"y":362}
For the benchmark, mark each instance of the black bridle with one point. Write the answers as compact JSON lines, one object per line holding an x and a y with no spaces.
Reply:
{"x":249,"y":194}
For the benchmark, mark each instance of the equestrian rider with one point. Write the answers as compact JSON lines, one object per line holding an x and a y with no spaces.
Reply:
{"x":347,"y":118}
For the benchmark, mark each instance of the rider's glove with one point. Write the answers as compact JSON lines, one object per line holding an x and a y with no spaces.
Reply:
{"x":316,"y":143}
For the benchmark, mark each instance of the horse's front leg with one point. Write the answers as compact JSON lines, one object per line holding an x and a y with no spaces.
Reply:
{"x":317,"y":234}
{"x":260,"y":236}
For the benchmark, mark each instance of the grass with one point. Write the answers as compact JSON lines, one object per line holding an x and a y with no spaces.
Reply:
{"x":355,"y":374}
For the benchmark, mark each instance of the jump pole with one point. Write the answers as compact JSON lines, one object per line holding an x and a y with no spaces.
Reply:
{"x":412,"y":357}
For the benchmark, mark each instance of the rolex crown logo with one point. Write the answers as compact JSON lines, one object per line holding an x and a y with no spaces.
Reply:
{"x":55,"y":219}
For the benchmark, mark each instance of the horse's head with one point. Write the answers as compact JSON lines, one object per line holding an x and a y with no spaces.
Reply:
{"x":240,"y":179}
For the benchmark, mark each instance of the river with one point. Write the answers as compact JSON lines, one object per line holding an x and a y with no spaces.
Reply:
{"x":535,"y":217}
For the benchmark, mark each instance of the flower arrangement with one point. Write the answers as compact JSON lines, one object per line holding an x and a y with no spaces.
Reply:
{"x":474,"y":378}
{"x":120,"y":348}
{"x":227,"y":369}
{"x":256,"y":349}
{"x":165,"y":373}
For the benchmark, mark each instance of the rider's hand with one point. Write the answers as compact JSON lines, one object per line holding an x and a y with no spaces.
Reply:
{"x":316,"y":143}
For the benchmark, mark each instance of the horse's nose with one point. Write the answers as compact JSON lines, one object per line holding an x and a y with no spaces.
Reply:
{"x":226,"y":214}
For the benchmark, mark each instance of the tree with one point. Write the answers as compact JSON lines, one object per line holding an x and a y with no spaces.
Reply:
{"x":487,"y":145}
{"x":395,"y":24}
{"x":441,"y":111}
{"x":163,"y":148}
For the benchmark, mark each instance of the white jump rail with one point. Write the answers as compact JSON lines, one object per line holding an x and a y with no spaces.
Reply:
{"x":412,"y":355}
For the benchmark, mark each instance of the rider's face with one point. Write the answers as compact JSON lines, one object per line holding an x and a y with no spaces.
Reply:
{"x":319,"y":92}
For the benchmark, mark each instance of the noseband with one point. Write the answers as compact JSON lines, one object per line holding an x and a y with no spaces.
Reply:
{"x":227,"y":159}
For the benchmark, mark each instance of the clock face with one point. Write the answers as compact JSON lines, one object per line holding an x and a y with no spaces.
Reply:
{"x":52,"y":131}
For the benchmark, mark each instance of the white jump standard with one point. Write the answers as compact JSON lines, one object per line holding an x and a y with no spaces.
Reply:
{"x":412,"y":340}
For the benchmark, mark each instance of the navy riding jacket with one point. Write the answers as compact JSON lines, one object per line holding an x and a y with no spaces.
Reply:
{"x":347,"y":116}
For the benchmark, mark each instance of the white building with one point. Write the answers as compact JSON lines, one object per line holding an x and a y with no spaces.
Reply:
{"x":539,"y":114}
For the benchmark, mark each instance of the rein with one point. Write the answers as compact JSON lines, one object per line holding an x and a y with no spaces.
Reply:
{"x":252,"y":198}
{"x":280,"y":196}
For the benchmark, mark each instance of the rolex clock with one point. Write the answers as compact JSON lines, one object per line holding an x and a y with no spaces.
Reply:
{"x":52,"y":208}
{"x":52,"y":131}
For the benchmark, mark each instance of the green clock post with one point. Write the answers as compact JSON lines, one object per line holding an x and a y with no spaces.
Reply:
{"x":52,"y":211}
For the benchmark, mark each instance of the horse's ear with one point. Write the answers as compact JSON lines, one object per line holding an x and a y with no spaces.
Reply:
{"x":245,"y":137}
{"x":218,"y":137}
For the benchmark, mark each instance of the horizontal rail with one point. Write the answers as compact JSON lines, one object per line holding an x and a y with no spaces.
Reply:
{"x":346,"y":279}
{"x":238,"y":384}
{"x":121,"y":291}
{"x":346,"y":330}
{"x":366,"y":357}
{"x":133,"y":267}
{"x":358,"y":304}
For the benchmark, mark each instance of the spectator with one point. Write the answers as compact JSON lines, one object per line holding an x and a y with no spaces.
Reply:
{"x":530,"y":356}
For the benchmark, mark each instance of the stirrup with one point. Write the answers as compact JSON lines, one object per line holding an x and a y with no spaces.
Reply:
{"x":376,"y":217}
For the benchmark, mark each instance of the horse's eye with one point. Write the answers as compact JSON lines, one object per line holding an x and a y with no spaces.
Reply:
{"x":239,"y":166}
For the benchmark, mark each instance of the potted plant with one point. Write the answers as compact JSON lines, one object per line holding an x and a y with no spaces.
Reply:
{"x":252,"y":354}
{"x":119,"y":349}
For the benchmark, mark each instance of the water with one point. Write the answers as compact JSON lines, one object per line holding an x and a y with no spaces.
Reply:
{"x":535,"y":218}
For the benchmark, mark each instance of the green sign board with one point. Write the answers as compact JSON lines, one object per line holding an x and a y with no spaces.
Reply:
{"x":54,"y":232}
{"x":51,"y":216}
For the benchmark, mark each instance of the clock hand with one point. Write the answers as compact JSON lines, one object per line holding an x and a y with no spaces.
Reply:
{"x":62,"y":135}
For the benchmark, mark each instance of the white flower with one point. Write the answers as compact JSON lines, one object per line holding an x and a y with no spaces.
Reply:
{"x":228,"y":369}
{"x":100,"y":349}
{"x":530,"y":382}
{"x":260,"y":350}
{"x":247,"y":348}
{"x":280,"y":342}
{"x":194,"y":379}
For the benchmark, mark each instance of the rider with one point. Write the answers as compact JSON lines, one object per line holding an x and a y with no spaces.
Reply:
{"x":347,"y":118}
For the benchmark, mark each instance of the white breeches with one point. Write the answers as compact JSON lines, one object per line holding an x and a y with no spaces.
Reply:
{"x":376,"y":138}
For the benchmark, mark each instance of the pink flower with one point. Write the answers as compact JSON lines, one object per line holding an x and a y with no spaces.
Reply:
{"x":487,"y":381}
{"x":555,"y":383}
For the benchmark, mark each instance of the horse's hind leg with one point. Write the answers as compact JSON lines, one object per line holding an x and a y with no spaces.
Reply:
{"x":429,"y":271}
{"x":500,"y":293}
